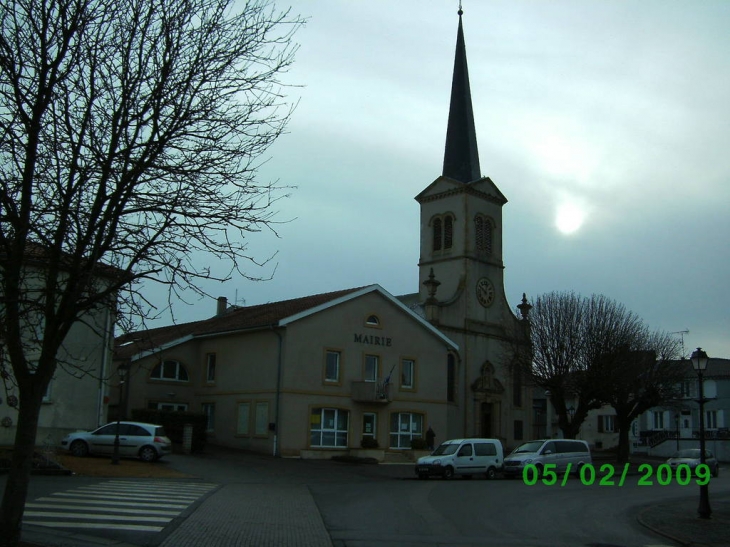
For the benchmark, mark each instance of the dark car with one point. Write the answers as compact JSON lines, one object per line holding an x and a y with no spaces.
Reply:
{"x":148,"y":442}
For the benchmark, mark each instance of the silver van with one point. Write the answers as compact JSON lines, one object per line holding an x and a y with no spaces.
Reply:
{"x":560,"y":452}
{"x":464,"y":457}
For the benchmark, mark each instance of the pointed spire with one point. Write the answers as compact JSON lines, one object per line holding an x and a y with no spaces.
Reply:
{"x":461,"y":157}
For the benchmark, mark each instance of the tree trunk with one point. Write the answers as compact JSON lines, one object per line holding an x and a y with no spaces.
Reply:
{"x":569,"y":432}
{"x":622,"y":454}
{"x":16,"y":487}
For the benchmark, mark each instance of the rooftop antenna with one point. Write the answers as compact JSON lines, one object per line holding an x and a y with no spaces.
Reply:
{"x":236,"y":299}
{"x":681,"y":333}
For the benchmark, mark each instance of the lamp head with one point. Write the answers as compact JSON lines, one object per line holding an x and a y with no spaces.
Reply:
{"x":122,"y":370}
{"x":699,"y":360}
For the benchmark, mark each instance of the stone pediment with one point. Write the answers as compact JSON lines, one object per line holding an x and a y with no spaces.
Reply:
{"x":483,"y":188}
{"x":487,"y":383}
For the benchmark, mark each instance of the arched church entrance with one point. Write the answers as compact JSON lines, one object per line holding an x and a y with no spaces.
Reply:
{"x":487,"y":392}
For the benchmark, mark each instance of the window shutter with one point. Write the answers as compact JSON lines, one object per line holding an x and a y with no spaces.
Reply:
{"x":600,"y":424}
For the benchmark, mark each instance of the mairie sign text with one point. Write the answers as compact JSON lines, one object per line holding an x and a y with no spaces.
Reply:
{"x":373,"y":340}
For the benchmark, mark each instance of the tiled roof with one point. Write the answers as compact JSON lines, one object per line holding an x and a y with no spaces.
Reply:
{"x":716,"y":368}
{"x":234,"y":319}
{"x":38,"y":254}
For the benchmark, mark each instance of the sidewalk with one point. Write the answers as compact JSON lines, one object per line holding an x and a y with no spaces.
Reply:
{"x":262,"y":501}
{"x":679,"y":522}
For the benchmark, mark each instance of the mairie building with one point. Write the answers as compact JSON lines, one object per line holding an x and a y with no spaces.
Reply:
{"x":314,"y":376}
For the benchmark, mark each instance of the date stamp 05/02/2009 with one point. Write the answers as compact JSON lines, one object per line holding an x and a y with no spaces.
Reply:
{"x":607,"y":475}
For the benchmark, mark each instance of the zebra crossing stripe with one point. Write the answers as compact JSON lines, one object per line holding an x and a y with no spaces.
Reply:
{"x":107,"y":495}
{"x":96,"y":525}
{"x":160,"y":487}
{"x":100,"y":509}
{"x":138,"y":504}
{"x":93,"y":517}
{"x":134,"y":488}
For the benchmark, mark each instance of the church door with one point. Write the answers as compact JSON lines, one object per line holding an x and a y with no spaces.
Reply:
{"x":486,"y":420}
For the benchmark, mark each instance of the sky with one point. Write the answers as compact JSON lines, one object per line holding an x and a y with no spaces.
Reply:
{"x":606,"y":125}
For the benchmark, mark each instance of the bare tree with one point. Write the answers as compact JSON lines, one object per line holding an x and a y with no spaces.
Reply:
{"x":638,"y":376}
{"x":556,"y":361}
{"x":130,"y":136}
{"x":593,"y":351}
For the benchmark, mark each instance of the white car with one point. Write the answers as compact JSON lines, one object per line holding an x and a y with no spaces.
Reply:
{"x":148,"y":442}
{"x":463,"y":457}
{"x":691,"y":458}
{"x":557,"y":452}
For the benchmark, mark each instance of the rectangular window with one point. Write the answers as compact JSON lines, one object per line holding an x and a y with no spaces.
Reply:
{"x":332,"y":366}
{"x":658,"y":419}
{"x":209,"y":411}
{"x":170,"y":370}
{"x":244,"y":416}
{"x":407,"y":373}
{"x":369,"y":424}
{"x":518,"y":430}
{"x":686,"y":389}
{"x":210,"y":368}
{"x":404,"y":427}
{"x":711,"y":419}
{"x":47,"y":394}
{"x":371,"y":368}
{"x":170,"y":407}
{"x":517,"y":388}
{"x":328,"y":427}
{"x":609,"y":423}
{"x":262,"y":418}
{"x":451,"y":379}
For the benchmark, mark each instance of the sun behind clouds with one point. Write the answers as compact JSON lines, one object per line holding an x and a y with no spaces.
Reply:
{"x":569,"y":217}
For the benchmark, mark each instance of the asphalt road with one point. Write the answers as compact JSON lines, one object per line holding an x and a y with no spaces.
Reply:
{"x":479,"y":512}
{"x":385,"y":505}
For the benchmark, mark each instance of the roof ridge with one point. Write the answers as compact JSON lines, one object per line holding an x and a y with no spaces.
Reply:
{"x":299,"y":298}
{"x":236,"y":319}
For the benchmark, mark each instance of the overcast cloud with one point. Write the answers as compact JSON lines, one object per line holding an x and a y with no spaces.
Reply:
{"x":610,"y":116}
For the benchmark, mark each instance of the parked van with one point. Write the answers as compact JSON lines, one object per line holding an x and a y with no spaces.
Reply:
{"x":560,"y":452}
{"x":465,"y":457}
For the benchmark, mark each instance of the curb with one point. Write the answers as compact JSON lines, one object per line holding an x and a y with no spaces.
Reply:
{"x":656,"y":530}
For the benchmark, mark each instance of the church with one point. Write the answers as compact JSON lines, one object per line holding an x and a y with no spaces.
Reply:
{"x":332,"y":373}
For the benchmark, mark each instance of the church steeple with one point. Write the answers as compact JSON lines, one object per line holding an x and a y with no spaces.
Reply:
{"x":461,"y":157}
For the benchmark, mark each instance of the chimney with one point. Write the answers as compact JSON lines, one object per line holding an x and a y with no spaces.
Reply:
{"x":222,"y":305}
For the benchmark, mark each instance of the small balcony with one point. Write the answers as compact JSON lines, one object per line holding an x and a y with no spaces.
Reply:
{"x":370,"y":392}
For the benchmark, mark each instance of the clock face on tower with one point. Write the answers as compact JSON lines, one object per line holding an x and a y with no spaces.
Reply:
{"x":485,"y":292}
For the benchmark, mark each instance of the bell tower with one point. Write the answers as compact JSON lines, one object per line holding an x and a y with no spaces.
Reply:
{"x":461,"y":275}
{"x":461,"y":211}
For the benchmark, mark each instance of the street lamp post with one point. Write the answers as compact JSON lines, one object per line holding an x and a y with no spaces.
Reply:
{"x":676,"y":426}
{"x":699,"y":363}
{"x":122,"y":373}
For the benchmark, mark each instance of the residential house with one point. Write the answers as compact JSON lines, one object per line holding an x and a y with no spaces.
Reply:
{"x":662,"y":430}
{"x":77,"y":396}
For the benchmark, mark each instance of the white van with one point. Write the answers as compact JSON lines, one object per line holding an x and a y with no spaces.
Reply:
{"x":465,"y":457}
{"x":560,"y":452}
